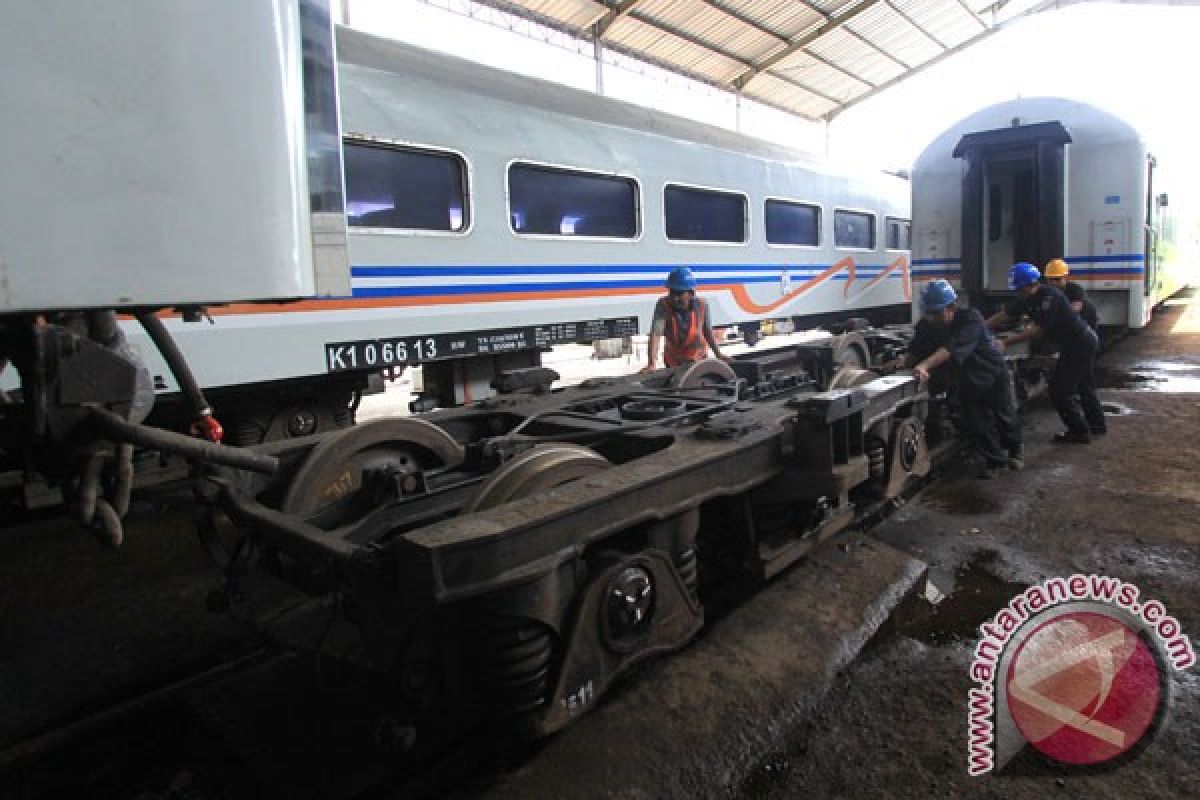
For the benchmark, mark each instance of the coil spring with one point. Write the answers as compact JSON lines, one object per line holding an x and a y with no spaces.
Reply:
{"x":688,"y":566}
{"x":514,"y":663}
{"x":876,"y":458}
{"x":244,"y":431}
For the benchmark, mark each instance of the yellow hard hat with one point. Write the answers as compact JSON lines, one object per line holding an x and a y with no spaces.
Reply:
{"x":1056,"y":268}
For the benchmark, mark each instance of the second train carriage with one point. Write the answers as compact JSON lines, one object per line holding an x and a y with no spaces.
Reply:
{"x":491,"y":215}
{"x":1041,"y":178}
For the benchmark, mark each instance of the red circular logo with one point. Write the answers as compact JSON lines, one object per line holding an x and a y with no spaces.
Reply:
{"x":1084,"y":688}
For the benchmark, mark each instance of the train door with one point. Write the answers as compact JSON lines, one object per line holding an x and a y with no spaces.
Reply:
{"x":1009,"y":211}
{"x":1152,"y":232}
{"x":1013,"y":201}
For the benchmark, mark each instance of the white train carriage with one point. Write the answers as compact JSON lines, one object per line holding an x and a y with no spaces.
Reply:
{"x":492,"y":214}
{"x":1041,"y":178}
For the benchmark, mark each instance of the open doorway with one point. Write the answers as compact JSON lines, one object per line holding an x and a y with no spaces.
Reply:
{"x":1013,"y":203}
{"x":1010,"y":208}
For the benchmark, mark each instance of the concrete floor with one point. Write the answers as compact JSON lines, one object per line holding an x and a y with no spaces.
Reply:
{"x":1127,"y":505}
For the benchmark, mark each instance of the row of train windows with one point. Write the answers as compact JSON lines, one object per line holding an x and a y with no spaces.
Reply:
{"x":412,"y":189}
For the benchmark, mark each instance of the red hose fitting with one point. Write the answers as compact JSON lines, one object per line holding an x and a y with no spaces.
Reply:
{"x":207,"y":427}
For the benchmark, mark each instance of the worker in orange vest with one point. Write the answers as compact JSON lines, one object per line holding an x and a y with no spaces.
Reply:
{"x":682,"y":323}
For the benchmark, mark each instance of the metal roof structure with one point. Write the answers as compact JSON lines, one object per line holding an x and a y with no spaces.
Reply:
{"x":813,"y":58}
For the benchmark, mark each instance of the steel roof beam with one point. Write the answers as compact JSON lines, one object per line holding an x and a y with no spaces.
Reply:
{"x":858,"y":36}
{"x":758,"y":26}
{"x":622,"y":9}
{"x":822,"y":60}
{"x":718,"y":50}
{"x":798,"y":43}
{"x":617,"y":10}
{"x":970,"y":11}
{"x":958,"y":48}
{"x":862,"y":39}
{"x":746,"y":20}
{"x":916,"y":26}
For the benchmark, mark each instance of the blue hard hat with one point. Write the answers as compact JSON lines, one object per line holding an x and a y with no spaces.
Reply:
{"x":937,"y":295}
{"x":1023,"y":274}
{"x":681,"y":279}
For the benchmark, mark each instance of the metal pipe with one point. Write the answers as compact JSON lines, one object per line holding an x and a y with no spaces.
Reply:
{"x":121,"y":430}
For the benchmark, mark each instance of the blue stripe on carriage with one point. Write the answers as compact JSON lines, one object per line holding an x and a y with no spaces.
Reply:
{"x":582,"y":269}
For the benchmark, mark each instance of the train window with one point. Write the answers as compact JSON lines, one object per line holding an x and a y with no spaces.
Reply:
{"x":899,"y":234}
{"x":404,"y":188}
{"x":563,"y":202}
{"x":793,"y":223}
{"x":704,"y":215}
{"x":854,"y":229}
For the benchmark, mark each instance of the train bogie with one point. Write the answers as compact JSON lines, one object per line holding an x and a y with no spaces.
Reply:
{"x":560,"y":538}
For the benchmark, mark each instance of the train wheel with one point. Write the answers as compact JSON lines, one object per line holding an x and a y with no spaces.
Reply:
{"x":851,"y":359}
{"x":334,"y":467}
{"x":538,"y":470}
{"x":515,"y":656}
{"x":847,"y":377}
{"x":909,"y":456}
{"x":709,"y":372}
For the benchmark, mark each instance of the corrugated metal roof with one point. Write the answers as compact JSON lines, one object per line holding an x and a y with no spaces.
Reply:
{"x":814,"y":58}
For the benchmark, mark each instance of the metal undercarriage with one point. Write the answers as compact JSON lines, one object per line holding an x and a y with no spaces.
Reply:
{"x":519,"y":555}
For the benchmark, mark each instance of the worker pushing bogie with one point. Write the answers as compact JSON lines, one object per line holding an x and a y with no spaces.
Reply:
{"x":682,"y":324}
{"x":1073,"y":384}
{"x":1056,"y":275}
{"x":989,"y":408}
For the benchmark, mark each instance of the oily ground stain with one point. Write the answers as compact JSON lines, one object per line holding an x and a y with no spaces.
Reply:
{"x":976,"y":596}
{"x":963,"y":497}
{"x":1154,"y":376}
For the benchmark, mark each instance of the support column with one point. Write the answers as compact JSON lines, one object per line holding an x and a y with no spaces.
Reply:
{"x":598,"y":56}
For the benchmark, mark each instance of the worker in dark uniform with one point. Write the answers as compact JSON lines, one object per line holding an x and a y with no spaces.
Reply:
{"x":1056,"y":275}
{"x":928,"y":335}
{"x":985,"y":393}
{"x":1073,"y":383}
{"x":682,"y":324}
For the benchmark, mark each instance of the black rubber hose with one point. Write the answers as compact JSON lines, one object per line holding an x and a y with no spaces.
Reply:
{"x":175,"y":360}
{"x":123,"y":486}
{"x":121,"y":430}
{"x":89,"y":488}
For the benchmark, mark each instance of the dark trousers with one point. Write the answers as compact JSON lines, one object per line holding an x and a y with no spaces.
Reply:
{"x":937,"y":416}
{"x":990,"y":415}
{"x":1073,"y":389}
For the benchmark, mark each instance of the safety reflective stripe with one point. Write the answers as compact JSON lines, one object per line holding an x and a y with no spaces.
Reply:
{"x":679,"y":347}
